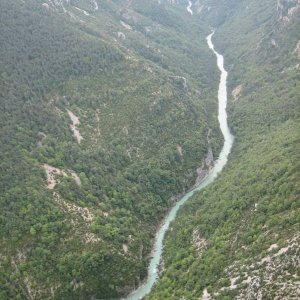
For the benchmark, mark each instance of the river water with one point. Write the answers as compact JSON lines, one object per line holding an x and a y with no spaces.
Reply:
{"x":218,"y":166}
{"x":189,"y":8}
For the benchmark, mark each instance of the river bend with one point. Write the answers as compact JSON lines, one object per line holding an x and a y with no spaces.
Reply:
{"x":153,"y":269}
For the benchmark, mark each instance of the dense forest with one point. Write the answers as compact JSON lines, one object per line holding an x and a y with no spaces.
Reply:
{"x":107,"y":109}
{"x":239,"y":238}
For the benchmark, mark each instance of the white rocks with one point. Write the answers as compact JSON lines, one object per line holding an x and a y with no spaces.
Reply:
{"x":179,"y":149}
{"x":96,"y":7}
{"x":91,"y":238}
{"x":206,"y":167}
{"x":72,"y":208}
{"x":73,"y":126}
{"x":198,"y":242}
{"x":274,"y":43}
{"x":125,"y":25}
{"x":261,"y":275}
{"x":288,"y":9}
{"x":236,"y":92}
{"x":82,"y":10}
{"x":75,"y":177}
{"x":52,"y":174}
{"x":46,"y":5}
{"x":233,"y":281}
{"x":272,"y":247}
{"x":125,"y":248}
{"x":180,"y":79}
{"x":125,"y":131}
{"x":206,"y":295}
{"x":76,"y":284}
{"x":121,"y":35}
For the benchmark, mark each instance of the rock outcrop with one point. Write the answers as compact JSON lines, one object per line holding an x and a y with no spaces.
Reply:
{"x":287,"y":9}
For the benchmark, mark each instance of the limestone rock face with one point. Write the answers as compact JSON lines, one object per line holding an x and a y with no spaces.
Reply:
{"x":288,"y":9}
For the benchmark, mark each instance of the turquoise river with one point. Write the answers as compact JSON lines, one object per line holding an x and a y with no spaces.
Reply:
{"x":219,"y":164}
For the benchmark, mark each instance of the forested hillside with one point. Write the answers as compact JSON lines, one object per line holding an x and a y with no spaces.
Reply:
{"x":108,"y":109}
{"x":239,"y":238}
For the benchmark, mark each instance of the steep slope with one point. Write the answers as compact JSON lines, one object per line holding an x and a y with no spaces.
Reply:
{"x":107,"y":113}
{"x":239,"y":239}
